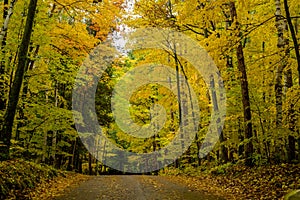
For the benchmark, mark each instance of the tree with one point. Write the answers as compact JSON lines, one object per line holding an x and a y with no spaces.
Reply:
{"x":294,"y":36}
{"x":245,"y":91}
{"x":7,"y":13}
{"x":6,"y":131}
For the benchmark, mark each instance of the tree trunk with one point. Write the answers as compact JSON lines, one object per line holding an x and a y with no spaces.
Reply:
{"x":291,"y":119}
{"x":45,"y":146}
{"x":291,"y":138}
{"x":281,"y":44}
{"x":90,"y":164}
{"x":177,"y":162}
{"x":280,"y":89}
{"x":54,"y":136}
{"x":291,"y":148}
{"x":224,"y":151}
{"x":7,"y":13}
{"x":29,"y":66}
{"x":294,"y":36}
{"x":245,"y":92}
{"x":6,"y":131}
{"x":73,"y":154}
{"x":278,"y":95}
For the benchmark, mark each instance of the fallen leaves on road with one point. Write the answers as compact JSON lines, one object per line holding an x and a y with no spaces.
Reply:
{"x":57,"y":186}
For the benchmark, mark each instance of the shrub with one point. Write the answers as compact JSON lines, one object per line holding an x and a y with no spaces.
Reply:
{"x":17,"y":177}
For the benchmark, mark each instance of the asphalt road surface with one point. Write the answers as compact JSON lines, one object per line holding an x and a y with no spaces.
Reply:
{"x":133,"y":187}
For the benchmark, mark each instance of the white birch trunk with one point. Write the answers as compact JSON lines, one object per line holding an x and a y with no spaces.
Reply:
{"x":281,"y":44}
{"x":6,"y":21}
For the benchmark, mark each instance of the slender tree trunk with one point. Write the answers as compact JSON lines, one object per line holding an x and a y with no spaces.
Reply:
{"x":291,"y":148}
{"x":6,"y":131}
{"x":177,"y":162}
{"x":245,"y":92}
{"x":79,"y":164}
{"x":292,"y":125}
{"x":195,"y":123}
{"x":185,"y":120}
{"x":73,"y":154}
{"x":21,"y":117}
{"x":104,"y":156}
{"x":7,"y":13}
{"x":281,"y":44}
{"x":289,"y":83}
{"x":54,"y":136}
{"x":90,"y":164}
{"x":45,"y":146}
{"x":224,"y":151}
{"x":198,"y":144}
{"x":291,"y":119}
{"x":278,"y":95}
{"x":294,"y":36}
{"x":280,"y":89}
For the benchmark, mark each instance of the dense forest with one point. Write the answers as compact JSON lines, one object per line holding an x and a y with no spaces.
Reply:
{"x":254,"y":46}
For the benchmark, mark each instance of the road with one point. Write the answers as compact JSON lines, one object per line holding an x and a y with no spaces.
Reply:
{"x":134,"y":187}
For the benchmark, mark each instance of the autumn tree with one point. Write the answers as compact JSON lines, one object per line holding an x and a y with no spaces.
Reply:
{"x":6,"y":130}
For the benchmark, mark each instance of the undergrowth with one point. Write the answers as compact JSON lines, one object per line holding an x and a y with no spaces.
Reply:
{"x":236,"y":181}
{"x":19,"y":177}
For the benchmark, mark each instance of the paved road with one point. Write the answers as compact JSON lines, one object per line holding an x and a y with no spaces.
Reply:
{"x":133,"y":188}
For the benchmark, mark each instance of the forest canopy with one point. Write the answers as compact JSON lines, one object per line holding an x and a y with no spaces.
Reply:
{"x":254,"y":45}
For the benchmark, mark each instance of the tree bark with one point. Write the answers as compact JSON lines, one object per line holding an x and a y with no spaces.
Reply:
{"x":281,"y":44}
{"x":7,"y":13}
{"x":224,"y":151}
{"x":280,"y":89}
{"x":245,"y":92}
{"x":54,"y":136}
{"x":73,"y":154}
{"x":90,"y":164}
{"x":291,"y":119}
{"x":294,"y":36}
{"x":6,"y":131}
{"x":291,"y":138}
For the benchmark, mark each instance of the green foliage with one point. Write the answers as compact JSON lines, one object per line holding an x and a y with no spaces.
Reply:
{"x":259,"y":159}
{"x":294,"y":195}
{"x":221,"y":169}
{"x":171,"y":171}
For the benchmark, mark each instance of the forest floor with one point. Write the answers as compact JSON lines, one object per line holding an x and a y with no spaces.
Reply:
{"x":57,"y":186}
{"x":22,"y":180}
{"x":240,"y":182}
